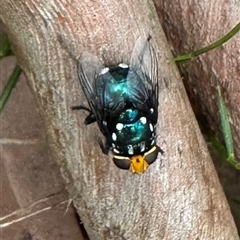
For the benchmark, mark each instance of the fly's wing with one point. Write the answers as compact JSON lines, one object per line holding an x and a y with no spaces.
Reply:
{"x":143,"y":77}
{"x":89,"y":69}
{"x":100,"y":89}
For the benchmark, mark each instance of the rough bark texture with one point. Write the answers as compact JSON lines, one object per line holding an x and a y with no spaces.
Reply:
{"x":201,"y":24}
{"x":179,"y":196}
{"x":190,"y":26}
{"x":34,"y":203}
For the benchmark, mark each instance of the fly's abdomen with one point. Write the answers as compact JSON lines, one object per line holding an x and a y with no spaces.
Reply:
{"x":133,"y":134}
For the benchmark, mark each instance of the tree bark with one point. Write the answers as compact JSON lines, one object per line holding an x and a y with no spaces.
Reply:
{"x":221,"y":66}
{"x":179,"y":196}
{"x":201,"y":24}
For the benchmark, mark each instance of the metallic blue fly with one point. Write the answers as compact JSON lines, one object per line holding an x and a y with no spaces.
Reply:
{"x":123,"y":100}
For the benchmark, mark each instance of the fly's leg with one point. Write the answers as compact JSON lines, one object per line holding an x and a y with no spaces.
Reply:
{"x":104,"y":146}
{"x":81,"y":107}
{"x":90,"y":118}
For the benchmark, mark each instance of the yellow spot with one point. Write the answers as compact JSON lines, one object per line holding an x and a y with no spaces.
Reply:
{"x":138,"y":164}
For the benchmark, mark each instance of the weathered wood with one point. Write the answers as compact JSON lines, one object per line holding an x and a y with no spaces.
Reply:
{"x":201,"y":24}
{"x":34,"y":203}
{"x":179,"y":196}
{"x":221,"y":66}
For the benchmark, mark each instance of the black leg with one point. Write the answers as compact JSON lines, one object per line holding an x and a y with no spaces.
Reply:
{"x":90,"y":118}
{"x":161,"y":151}
{"x":105,"y":148}
{"x":81,"y":107}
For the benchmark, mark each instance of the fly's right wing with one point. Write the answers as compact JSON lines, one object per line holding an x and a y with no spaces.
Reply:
{"x":89,"y":68}
{"x":143,"y":77}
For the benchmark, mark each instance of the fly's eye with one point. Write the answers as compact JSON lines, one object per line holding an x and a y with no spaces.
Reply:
{"x":151,"y":155}
{"x":122,"y":162}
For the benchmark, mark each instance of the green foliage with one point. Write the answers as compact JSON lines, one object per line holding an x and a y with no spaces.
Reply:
{"x":5,"y":46}
{"x":226,"y":128}
{"x":9,"y":86}
{"x":228,"y":150}
{"x":5,"y":50}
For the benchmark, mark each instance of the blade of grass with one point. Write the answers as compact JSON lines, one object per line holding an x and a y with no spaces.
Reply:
{"x":216,"y":44}
{"x":227,"y":134}
{"x":5,"y":46}
{"x":225,"y":123}
{"x":10,"y":85}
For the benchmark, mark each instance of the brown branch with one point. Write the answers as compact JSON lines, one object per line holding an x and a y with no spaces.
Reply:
{"x":179,"y":196}
{"x":202,"y":24}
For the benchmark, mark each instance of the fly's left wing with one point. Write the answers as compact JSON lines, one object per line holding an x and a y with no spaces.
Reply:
{"x":143,"y":77}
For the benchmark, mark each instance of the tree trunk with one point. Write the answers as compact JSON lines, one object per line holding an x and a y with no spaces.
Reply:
{"x":179,"y":196}
{"x":221,"y":66}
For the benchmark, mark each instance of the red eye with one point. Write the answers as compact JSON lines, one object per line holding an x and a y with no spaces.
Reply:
{"x":122,"y":162}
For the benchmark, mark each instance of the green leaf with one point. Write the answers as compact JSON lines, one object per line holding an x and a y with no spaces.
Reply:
{"x":10,"y":85}
{"x":5,"y":46}
{"x":227,"y":134}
